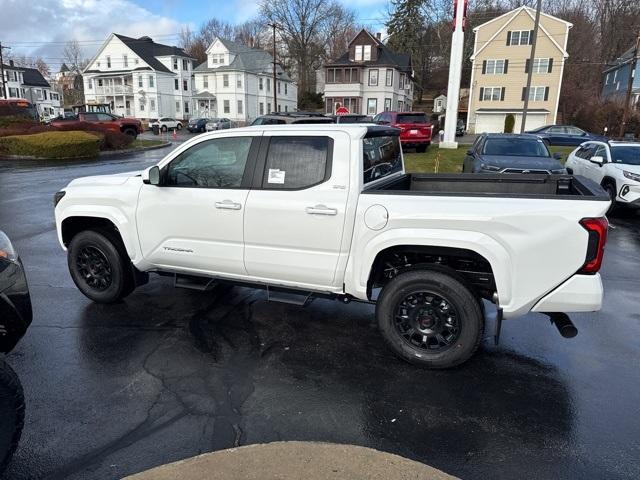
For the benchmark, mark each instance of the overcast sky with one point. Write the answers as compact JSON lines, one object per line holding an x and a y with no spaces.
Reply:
{"x":41,"y":27}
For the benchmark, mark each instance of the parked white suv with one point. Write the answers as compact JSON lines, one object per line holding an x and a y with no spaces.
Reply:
{"x":167,"y":123}
{"x":614,"y":165}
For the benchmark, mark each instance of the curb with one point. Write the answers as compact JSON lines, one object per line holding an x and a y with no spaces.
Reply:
{"x":109,"y":153}
{"x":293,"y":461}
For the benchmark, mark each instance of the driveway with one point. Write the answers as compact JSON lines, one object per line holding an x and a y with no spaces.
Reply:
{"x":169,"y":374}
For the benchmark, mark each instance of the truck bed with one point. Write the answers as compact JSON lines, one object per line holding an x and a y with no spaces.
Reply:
{"x":565,"y":187}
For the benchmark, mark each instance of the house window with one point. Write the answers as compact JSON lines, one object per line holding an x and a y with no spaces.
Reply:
{"x":372,"y":106}
{"x":90,"y":84}
{"x":491,"y":94}
{"x":175,"y":63}
{"x":185,"y":64}
{"x":177,"y":107}
{"x":279,"y":108}
{"x":358,"y":55}
{"x":260,"y":83}
{"x":140,"y":84}
{"x":125,"y":60}
{"x":176,"y":84}
{"x":108,"y":62}
{"x":338,"y":75}
{"x":286,"y":108}
{"x":239,"y":107}
{"x":373,"y":77}
{"x":135,"y":60}
{"x":279,"y":86}
{"x":389,"y":79}
{"x":152,"y":104}
{"x":331,"y":75}
{"x":13,"y":92}
{"x":261,"y":108}
{"x":401,"y":81}
{"x":285,"y":89}
{"x":355,"y":75}
{"x":239,"y":82}
{"x":225,"y":80}
{"x":186,"y":107}
{"x":519,"y":37}
{"x":99,"y":82}
{"x":151,"y":82}
{"x":387,"y":104}
{"x":400,"y":106}
{"x":141,"y":104}
{"x":214,"y":59}
{"x":367,"y":53}
{"x":185,"y":85}
{"x":541,"y":65}
{"x":97,"y":64}
{"x":268,"y":87}
{"x":226,"y":107}
{"x":537,"y":94}
{"x":494,"y":67}
{"x":205,"y":81}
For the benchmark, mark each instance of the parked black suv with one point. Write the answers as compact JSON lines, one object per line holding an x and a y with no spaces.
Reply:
{"x":511,"y":153}
{"x":15,"y":318}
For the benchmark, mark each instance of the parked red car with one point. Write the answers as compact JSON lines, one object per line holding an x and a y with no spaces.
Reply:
{"x":415,"y":128}
{"x":128,"y":126}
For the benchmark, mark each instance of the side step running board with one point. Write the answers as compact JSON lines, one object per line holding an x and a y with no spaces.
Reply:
{"x":290,"y":297}
{"x":193,"y":282}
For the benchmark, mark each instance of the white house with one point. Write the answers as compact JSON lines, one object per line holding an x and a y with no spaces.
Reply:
{"x":28,"y":83}
{"x":236,"y":82}
{"x":440,"y":104}
{"x":141,"y":78}
{"x":369,"y":78}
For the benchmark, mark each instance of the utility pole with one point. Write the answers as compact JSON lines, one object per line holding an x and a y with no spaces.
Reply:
{"x":455,"y":75}
{"x":275,"y":96}
{"x":532,"y":59}
{"x":627,"y":99}
{"x":4,"y":83}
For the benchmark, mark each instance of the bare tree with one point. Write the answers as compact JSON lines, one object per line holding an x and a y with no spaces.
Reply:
{"x":74,"y":57}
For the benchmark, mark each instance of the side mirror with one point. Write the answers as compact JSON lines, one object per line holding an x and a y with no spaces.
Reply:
{"x":597,"y":159}
{"x":151,"y":176}
{"x":557,"y":156}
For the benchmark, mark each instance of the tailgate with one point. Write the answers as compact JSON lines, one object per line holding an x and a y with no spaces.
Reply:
{"x":415,"y":130}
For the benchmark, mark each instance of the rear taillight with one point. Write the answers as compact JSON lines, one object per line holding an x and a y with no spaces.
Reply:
{"x":597,"y":229}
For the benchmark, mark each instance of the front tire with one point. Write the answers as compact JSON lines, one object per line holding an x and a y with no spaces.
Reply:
{"x":179,"y":126}
{"x":164,"y":129}
{"x":611,"y":191}
{"x":11,"y":413}
{"x":100,"y":267}
{"x":430,"y":318}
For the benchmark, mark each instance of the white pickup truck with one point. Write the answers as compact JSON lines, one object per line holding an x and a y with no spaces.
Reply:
{"x":308,"y":211}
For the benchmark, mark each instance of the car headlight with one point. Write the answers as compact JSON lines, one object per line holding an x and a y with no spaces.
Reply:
{"x":489,"y":168}
{"x":7,"y":252}
{"x":631,"y":176}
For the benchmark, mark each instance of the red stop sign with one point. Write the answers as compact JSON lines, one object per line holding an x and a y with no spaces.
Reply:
{"x":342,"y":111}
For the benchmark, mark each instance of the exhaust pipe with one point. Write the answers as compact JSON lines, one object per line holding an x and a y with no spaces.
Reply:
{"x":564,"y":324}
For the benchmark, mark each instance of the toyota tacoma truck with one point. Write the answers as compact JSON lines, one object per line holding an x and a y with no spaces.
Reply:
{"x":308,"y":212}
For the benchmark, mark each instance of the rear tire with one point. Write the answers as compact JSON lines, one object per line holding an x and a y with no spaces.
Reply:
{"x":100,"y":267}
{"x":430,"y":318}
{"x":163,"y":129}
{"x":131,"y":132}
{"x":179,"y":126}
{"x":11,"y":413}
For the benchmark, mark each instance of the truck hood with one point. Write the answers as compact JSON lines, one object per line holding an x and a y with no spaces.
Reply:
{"x":105,"y":180}
{"x":505,"y":161}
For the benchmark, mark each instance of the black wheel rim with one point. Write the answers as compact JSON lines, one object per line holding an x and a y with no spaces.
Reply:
{"x":427,"y":321}
{"x":94,"y":267}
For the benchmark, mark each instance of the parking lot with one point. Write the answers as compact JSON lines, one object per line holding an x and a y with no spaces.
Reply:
{"x":168,"y":374}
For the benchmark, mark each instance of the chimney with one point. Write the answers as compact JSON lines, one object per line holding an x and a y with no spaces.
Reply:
{"x":379,"y":36}
{"x":11,"y":63}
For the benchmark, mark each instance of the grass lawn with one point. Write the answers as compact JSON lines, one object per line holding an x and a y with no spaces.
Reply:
{"x":143,"y":143}
{"x":441,"y":160}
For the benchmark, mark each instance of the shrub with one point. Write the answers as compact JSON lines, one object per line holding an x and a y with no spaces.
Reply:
{"x":52,"y":144}
{"x":109,"y":139}
{"x":509,"y":123}
{"x":13,"y":120}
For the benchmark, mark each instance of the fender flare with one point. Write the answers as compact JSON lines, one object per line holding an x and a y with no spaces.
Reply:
{"x":359,"y":267}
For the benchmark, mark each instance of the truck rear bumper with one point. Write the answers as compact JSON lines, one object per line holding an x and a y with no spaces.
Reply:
{"x":581,"y":293}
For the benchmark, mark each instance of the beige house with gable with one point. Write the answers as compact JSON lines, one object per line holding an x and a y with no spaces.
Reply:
{"x":500,"y":64}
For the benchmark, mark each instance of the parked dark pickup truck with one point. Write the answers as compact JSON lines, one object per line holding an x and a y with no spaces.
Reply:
{"x":128,"y":126}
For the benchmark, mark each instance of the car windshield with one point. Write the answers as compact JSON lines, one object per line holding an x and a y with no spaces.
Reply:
{"x":412,"y":118}
{"x":628,"y":154}
{"x":354,"y":119}
{"x":518,"y":147}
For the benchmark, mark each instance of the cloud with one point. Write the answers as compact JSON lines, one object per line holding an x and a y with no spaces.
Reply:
{"x":43,"y":28}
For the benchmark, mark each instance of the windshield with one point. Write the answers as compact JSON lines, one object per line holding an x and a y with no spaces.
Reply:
{"x":517,"y":146}
{"x":382,"y":156}
{"x":628,"y":154}
{"x":354,"y":119}
{"x":411,"y":118}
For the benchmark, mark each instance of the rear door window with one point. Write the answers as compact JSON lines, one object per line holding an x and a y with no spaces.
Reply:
{"x":294,"y":163}
{"x":381,"y":157}
{"x":412,"y":118}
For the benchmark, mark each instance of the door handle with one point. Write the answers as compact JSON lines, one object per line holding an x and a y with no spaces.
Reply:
{"x":228,"y":205}
{"x":321,"y":210}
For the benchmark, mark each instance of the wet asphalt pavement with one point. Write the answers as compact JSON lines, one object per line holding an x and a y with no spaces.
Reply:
{"x":169,"y":373}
